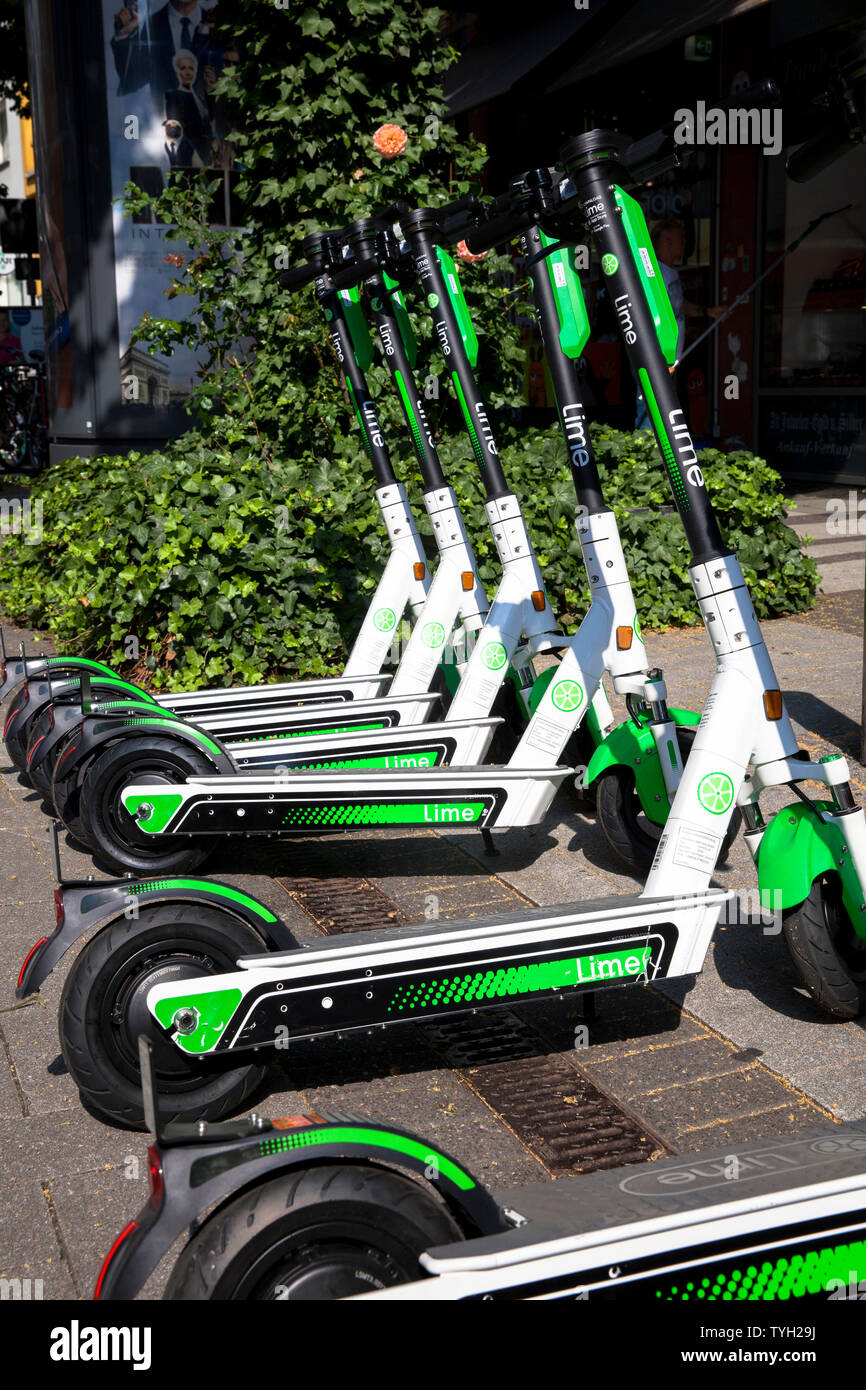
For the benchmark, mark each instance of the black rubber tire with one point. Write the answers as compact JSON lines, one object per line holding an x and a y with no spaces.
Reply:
{"x":41,"y":775}
{"x":829,"y":955}
{"x":102,"y":1013}
{"x":111,"y":833}
{"x":621,"y":818}
{"x":18,"y":738}
{"x":319,"y":1234}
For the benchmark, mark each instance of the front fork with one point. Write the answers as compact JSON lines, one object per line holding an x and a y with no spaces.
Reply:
{"x":745,"y":722}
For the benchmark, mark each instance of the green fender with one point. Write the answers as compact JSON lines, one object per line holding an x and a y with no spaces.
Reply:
{"x":795,"y":849}
{"x":633,"y":746}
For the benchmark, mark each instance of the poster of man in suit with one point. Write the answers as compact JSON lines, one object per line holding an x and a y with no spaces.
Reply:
{"x":163,"y":59}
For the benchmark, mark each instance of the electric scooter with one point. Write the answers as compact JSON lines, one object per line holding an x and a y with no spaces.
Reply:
{"x":141,"y":829}
{"x":810,"y":856}
{"x":339,"y":1206}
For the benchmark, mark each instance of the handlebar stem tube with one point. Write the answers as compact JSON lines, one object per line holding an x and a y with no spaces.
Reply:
{"x":565,"y":379}
{"x":593,"y":176}
{"x":417,"y":228}
{"x":356,"y":383}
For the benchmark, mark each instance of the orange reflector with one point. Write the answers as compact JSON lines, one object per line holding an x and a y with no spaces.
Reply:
{"x":539,"y":602}
{"x":420,"y":569}
{"x":623,"y":638}
{"x":773,"y":704}
{"x":468,"y":579}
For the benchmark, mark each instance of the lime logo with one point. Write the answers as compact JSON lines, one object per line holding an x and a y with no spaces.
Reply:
{"x":432,"y":300}
{"x":567,"y":696}
{"x":376,"y":305}
{"x":716,"y":792}
{"x":433,"y":635}
{"x":609,"y":264}
{"x":384,"y":620}
{"x":329,"y":314}
{"x":637,"y":627}
{"x":493,"y":656}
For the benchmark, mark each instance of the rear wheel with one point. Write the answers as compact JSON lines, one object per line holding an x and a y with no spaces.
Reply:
{"x":631,"y":836}
{"x":107,"y":826}
{"x":103,"y":1009}
{"x":323,"y":1233}
{"x":828,"y":953}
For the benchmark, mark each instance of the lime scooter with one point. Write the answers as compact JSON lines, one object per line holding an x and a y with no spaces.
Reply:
{"x":393,"y":722}
{"x":139,"y":828}
{"x":811,"y":857}
{"x":335,"y":1206}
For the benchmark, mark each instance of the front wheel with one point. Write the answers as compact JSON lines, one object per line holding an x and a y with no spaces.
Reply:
{"x":323,"y":1233}
{"x":631,"y":836}
{"x":829,"y":955}
{"x":103,"y":1009}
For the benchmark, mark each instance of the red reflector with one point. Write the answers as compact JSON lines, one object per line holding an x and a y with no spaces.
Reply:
{"x":59,"y":909}
{"x":297,"y":1121}
{"x":127,"y":1231}
{"x":17,"y":709}
{"x":33,"y":949}
{"x":32,"y":749}
{"x":157,"y":1187}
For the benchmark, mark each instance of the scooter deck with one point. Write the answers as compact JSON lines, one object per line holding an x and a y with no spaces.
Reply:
{"x":373,"y":979}
{"x":774,"y":1218}
{"x":459,"y":741}
{"x":295,"y":720}
{"x":253,"y":804}
{"x":338,"y":690}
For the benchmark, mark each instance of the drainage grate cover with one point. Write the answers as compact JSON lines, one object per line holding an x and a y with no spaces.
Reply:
{"x":566,"y":1121}
{"x":338,"y":902}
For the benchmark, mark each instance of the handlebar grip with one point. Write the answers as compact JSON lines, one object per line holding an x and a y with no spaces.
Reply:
{"x":353,"y":273}
{"x":298,"y":275}
{"x":498,"y":230}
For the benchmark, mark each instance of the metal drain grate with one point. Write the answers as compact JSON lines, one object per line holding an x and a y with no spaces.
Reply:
{"x":566,"y":1121}
{"x":338,"y":902}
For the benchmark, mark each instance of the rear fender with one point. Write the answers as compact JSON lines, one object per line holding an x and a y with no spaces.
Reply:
{"x":96,"y":730}
{"x":81,"y":907}
{"x":199,"y":1175}
{"x":16,"y":670}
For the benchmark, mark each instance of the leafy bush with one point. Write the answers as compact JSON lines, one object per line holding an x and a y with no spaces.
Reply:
{"x":227,"y":568}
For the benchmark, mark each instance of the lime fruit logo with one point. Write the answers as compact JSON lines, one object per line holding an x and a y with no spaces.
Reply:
{"x":432,"y":300}
{"x":637,"y":627}
{"x":384,"y":620}
{"x":433,"y":635}
{"x":376,"y":305}
{"x":329,"y":314}
{"x":609,"y":264}
{"x":716,"y":792}
{"x":493,"y":656}
{"x":567,"y":696}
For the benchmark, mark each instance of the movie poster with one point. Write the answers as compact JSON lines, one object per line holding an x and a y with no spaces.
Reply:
{"x":163,"y":59}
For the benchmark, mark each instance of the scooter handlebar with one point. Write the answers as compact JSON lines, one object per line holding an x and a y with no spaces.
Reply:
{"x":298,"y":275}
{"x":499,"y":230}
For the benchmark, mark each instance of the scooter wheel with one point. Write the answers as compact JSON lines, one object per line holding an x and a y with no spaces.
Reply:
{"x":825,"y":948}
{"x":17,"y":728}
{"x":103,"y":1009}
{"x":320,"y":1233}
{"x":630,"y":835}
{"x":107,"y":827}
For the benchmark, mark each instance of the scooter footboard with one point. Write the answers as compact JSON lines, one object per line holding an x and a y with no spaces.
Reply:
{"x":373,"y":979}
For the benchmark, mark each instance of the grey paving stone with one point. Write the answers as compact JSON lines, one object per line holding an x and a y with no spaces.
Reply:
{"x":652,"y":1068}
{"x":29,"y":1248}
{"x":747,"y":1092}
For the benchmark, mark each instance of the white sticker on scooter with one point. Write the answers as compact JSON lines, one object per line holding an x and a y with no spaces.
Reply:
{"x":695,"y":849}
{"x":545,"y":735}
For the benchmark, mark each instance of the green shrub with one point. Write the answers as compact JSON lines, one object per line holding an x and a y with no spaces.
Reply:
{"x":227,"y":568}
